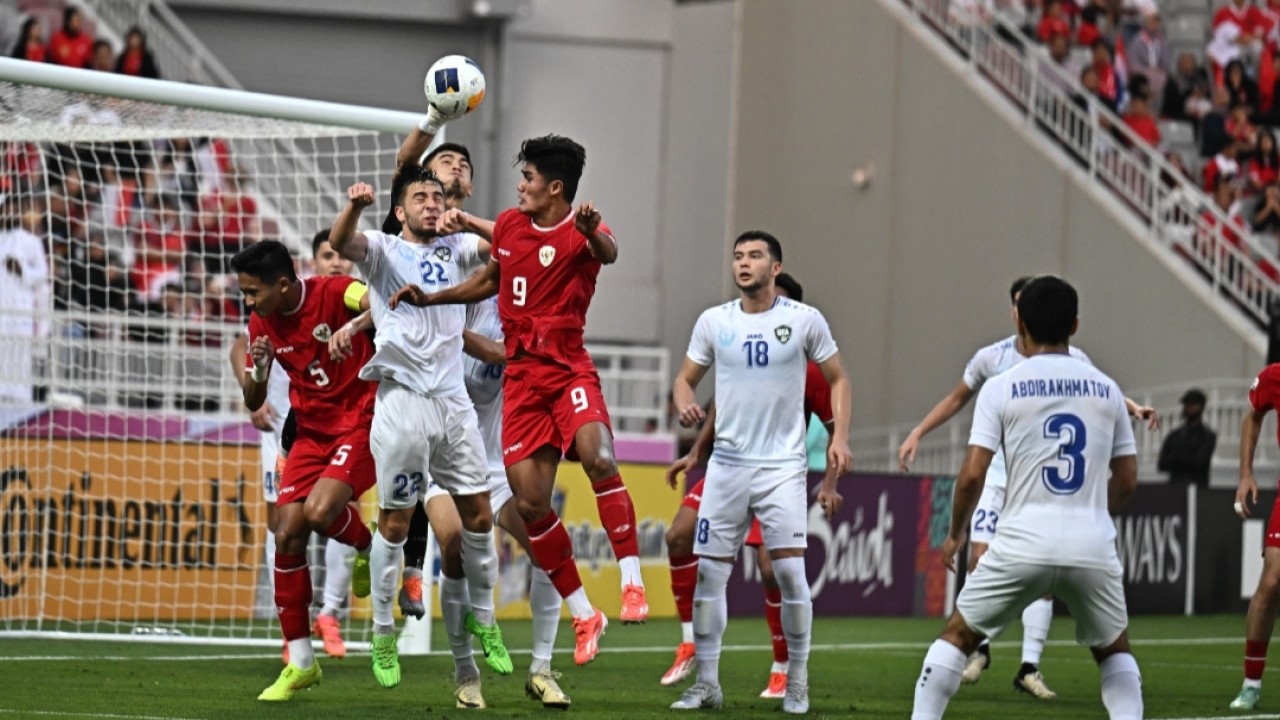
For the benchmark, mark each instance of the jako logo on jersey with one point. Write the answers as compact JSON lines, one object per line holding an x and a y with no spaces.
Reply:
{"x":321,"y":332}
{"x":443,"y":254}
{"x":783,"y":333}
{"x":546,"y":254}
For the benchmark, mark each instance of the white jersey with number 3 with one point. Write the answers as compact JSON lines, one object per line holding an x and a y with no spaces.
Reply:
{"x":986,"y":364}
{"x":761,"y":360}
{"x":419,"y":348}
{"x":1061,"y":422}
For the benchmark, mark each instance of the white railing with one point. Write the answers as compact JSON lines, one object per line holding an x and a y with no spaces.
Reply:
{"x":1175,"y":212}
{"x":942,"y":451}
{"x":114,"y":361}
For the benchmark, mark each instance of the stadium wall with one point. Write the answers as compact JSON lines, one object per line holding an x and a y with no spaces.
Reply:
{"x":913,"y":270}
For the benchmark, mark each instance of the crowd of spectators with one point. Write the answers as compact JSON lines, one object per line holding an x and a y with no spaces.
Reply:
{"x":75,"y":45}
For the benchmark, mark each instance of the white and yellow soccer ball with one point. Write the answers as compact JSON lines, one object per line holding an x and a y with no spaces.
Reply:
{"x":454,"y":86}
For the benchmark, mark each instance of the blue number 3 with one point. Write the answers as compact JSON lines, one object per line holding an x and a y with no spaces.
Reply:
{"x":1070,"y":430}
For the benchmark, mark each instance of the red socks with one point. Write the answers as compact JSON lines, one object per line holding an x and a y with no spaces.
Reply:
{"x":773,"y":615}
{"x":1255,"y":658}
{"x":553,"y":550}
{"x":684,"y":578}
{"x":618,"y":516}
{"x":293,"y":595}
{"x":349,"y":529}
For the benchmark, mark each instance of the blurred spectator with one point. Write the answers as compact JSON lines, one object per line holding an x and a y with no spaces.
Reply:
{"x":1213,"y":126}
{"x":228,"y":222}
{"x":103,"y":58}
{"x":31,"y":45}
{"x":1266,"y":219}
{"x":177,"y":172}
{"x":1138,"y":115}
{"x":1089,"y":32}
{"x":1240,"y":87}
{"x":1240,"y":128}
{"x":136,"y":59}
{"x":1148,"y":55}
{"x":1243,"y":15}
{"x":160,"y":245}
{"x":1110,"y":89}
{"x":1053,"y":22}
{"x":1263,"y":167}
{"x":1223,"y":168}
{"x":24,"y":295}
{"x":1188,"y":451}
{"x":1186,"y":92}
{"x":92,"y":279}
{"x":71,"y":45}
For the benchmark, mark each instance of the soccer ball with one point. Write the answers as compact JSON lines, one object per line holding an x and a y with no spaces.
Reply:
{"x":454,"y":86}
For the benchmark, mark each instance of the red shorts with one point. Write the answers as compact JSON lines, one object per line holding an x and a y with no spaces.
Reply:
{"x":344,"y":457}
{"x":1272,"y":538}
{"x":693,"y":501}
{"x":546,"y":404}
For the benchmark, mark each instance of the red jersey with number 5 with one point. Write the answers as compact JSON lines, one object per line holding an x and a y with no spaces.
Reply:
{"x":328,"y":397}
{"x":548,"y":276}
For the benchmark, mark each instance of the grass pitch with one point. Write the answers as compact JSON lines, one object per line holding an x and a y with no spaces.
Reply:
{"x":860,"y":668}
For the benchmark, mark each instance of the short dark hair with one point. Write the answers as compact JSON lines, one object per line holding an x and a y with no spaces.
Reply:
{"x":791,"y":286}
{"x":450,"y":147}
{"x":557,"y":158}
{"x":267,"y":260}
{"x":775,"y":247}
{"x":410,"y":174}
{"x":1017,"y":286}
{"x":1048,"y":307}
{"x":319,"y":239}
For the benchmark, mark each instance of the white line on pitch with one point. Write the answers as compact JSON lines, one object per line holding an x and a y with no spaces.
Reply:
{"x":1229,"y":717}
{"x":51,"y":713}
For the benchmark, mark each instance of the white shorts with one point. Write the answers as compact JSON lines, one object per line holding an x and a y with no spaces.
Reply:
{"x":987,"y":514}
{"x":413,"y":435}
{"x":499,"y":490}
{"x":733,"y":494}
{"x":269,"y":454}
{"x":999,"y":589}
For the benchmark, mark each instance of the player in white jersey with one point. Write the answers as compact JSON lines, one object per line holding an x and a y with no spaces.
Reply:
{"x":270,"y":420}
{"x":761,"y":345}
{"x":1036,"y":618}
{"x":1071,"y":463}
{"x":424,"y":423}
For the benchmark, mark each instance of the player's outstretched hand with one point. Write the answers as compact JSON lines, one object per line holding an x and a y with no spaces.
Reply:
{"x":1246,"y":495}
{"x":830,"y":500}
{"x":950,"y":547}
{"x":340,"y":343}
{"x":692,"y":415}
{"x":839,"y":456}
{"x":1149,"y":414}
{"x":679,"y":467}
{"x":454,"y":220}
{"x":907,"y":452}
{"x":410,"y":294}
{"x":360,"y":195}
{"x":587,"y":219}
{"x":264,"y":418}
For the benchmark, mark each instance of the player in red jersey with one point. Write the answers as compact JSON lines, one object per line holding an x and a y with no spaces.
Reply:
{"x":684,"y":564}
{"x":329,"y":463}
{"x":543,"y":268}
{"x":1264,"y":396}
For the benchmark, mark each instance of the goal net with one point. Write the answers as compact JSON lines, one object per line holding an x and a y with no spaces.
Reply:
{"x":131,"y":500}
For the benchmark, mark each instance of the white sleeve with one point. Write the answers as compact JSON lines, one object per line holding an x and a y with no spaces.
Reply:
{"x":702,"y":348}
{"x":376,"y":246}
{"x":468,"y":254}
{"x":979,"y":369}
{"x":1122,"y":441}
{"x":818,"y":343}
{"x":1080,"y":355}
{"x":988,"y":429}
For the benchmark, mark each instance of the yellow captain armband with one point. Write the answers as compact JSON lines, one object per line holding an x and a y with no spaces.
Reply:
{"x":354,"y":294}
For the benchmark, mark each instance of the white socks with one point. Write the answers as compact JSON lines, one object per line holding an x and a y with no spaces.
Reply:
{"x":797,"y":614}
{"x":385,"y":558}
{"x":454,"y":604}
{"x":338,"y":559}
{"x":686,"y":632}
{"x":579,"y":605}
{"x":544,"y":603}
{"x":271,"y":562}
{"x":1121,"y":687}
{"x":1035,"y":629}
{"x":630,"y":567}
{"x":301,"y":654}
{"x":939,"y":680}
{"x":710,"y":616}
{"x":480,"y":565}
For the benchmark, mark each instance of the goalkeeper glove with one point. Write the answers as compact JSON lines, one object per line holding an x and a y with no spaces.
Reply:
{"x":433,"y":121}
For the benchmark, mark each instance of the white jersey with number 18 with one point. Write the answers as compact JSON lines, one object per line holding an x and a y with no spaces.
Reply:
{"x":1061,"y":422}
{"x":761,"y":361}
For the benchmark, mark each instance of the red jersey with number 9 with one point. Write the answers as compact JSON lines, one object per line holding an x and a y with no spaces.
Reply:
{"x":548,"y":276}
{"x":328,"y":397}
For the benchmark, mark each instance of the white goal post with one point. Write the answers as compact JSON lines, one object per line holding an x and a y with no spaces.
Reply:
{"x":130,"y":480}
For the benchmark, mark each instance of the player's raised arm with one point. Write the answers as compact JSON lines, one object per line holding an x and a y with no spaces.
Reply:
{"x":254,"y":389}
{"x":419,"y":138}
{"x":946,"y":408}
{"x":344,"y":238}
{"x":603,"y":245}
{"x":1139,"y":411}
{"x":838,"y":452}
{"x":682,"y":392}
{"x":483,"y":349}
{"x":480,"y":286}
{"x":456,"y":220}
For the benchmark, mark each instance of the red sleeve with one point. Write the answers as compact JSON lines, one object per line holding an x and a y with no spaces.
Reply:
{"x":333,"y":290}
{"x":1262,"y":394}
{"x":500,"y":229}
{"x":817,"y":394}
{"x":1221,"y":16}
